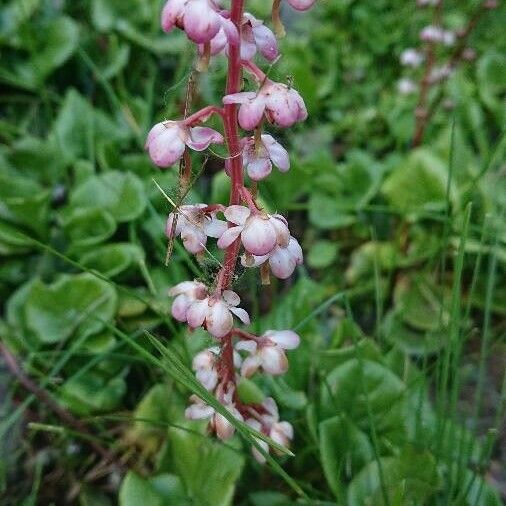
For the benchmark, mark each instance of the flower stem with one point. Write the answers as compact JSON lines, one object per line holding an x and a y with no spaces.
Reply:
{"x":234,"y":77}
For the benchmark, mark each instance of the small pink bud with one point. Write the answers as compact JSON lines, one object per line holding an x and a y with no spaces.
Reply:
{"x":411,"y":58}
{"x":302,"y":5}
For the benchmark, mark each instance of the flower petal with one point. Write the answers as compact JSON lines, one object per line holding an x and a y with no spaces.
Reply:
{"x":266,"y":42}
{"x":219,"y":321}
{"x":231,"y":298}
{"x":237,"y":214}
{"x":246,"y":345}
{"x":274,"y":360}
{"x":201,"y":137}
{"x":250,"y":113}
{"x":241,"y":314}
{"x":259,"y":168}
{"x":287,"y":339}
{"x":277,"y":153}
{"x":201,"y":22}
{"x":250,"y":366}
{"x":243,"y":97}
{"x":198,"y":411}
{"x":197,"y":313}
{"x":281,"y":262}
{"x":213,"y":227}
{"x":228,"y":237}
{"x":258,"y":236}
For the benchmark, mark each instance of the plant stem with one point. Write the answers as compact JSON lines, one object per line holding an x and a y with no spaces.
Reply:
{"x":234,"y":77}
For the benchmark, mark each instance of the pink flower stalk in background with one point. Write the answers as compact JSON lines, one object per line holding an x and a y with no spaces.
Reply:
{"x":242,"y":229}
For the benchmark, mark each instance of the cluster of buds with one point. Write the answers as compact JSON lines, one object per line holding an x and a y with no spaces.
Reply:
{"x":439,"y":55}
{"x":243,"y":230}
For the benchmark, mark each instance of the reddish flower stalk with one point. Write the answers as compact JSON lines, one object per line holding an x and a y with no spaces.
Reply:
{"x":430,"y":78}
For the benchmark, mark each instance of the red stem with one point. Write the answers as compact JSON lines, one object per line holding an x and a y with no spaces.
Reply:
{"x":203,"y":115}
{"x":234,"y":78}
{"x":253,"y":69}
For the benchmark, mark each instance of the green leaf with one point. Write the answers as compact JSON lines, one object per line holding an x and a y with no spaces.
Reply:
{"x":322,"y":254}
{"x":113,"y":259}
{"x":419,"y":183}
{"x":344,"y":449}
{"x":249,"y":392}
{"x":78,"y":126}
{"x":12,"y":241}
{"x":121,"y":194}
{"x":160,"y":490}
{"x":87,"y":227}
{"x":409,"y":479}
{"x":71,"y":305}
{"x":353,"y":385}
{"x":24,"y":201}
{"x":210,"y":478}
{"x":91,"y":393}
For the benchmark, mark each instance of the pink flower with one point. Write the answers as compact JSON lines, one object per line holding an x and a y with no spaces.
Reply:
{"x":282,"y":259}
{"x":302,"y":5}
{"x":200,"y":19}
{"x":205,"y":366}
{"x":195,"y":225}
{"x":216,"y":313}
{"x":406,"y":86}
{"x":268,"y":423}
{"x":283,"y":106}
{"x":198,"y":410}
{"x":166,"y":141}
{"x":186,"y":293}
{"x":268,"y":354}
{"x":259,"y":232}
{"x":433,"y":33}
{"x":254,"y":36}
{"x":258,"y":158}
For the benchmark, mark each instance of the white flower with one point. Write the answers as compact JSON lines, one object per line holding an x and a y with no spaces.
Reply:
{"x":216,"y":313}
{"x":268,"y":354}
{"x":282,"y":260}
{"x":406,"y":86}
{"x":186,"y":293}
{"x":259,"y":232}
{"x":258,"y":158}
{"x":194,"y":224}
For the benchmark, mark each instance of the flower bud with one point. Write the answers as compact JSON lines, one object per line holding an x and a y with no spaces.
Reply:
{"x":302,"y":5}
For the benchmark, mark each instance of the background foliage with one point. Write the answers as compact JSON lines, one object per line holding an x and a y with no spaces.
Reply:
{"x":397,"y":392}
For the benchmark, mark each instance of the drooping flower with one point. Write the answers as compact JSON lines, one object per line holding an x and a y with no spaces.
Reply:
{"x":433,"y":33}
{"x":185,"y":294}
{"x":166,"y":141}
{"x":195,"y":224}
{"x":268,"y":354}
{"x":255,"y":36}
{"x":200,"y":19}
{"x":411,"y":58}
{"x":282,"y":105}
{"x":205,"y":366}
{"x":282,"y":259}
{"x":216,"y":313}
{"x":198,"y":410}
{"x":259,"y":232}
{"x":268,"y":423}
{"x":258,"y":158}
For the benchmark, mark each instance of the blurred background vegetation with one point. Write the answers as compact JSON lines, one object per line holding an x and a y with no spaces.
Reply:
{"x":397,"y":391}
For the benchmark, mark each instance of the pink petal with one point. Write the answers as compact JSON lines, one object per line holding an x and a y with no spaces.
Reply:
{"x":266,"y":42}
{"x":250,"y":366}
{"x":203,"y":360}
{"x":302,"y":5}
{"x":172,"y":10}
{"x":166,"y":148}
{"x":243,"y":97}
{"x":194,"y":240}
{"x":246,"y":345}
{"x":274,"y":360}
{"x":208,"y":378}
{"x":214,"y":227}
{"x":224,"y":429}
{"x":198,"y":411}
{"x":230,"y":30}
{"x":180,"y":307}
{"x":219,"y":320}
{"x":259,"y":168}
{"x":228,"y":237}
{"x":287,"y":339}
{"x":201,"y":137}
{"x":197,"y":313}
{"x":231,"y":298}
{"x":250,"y":114}
{"x":295,"y":250}
{"x":282,"y":264}
{"x":241,"y":314}
{"x":201,"y":22}
{"x":281,"y":228}
{"x":237,"y":214}
{"x":258,"y":236}
{"x":277,"y":153}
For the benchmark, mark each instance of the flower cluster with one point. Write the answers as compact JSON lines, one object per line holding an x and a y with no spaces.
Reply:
{"x":245,"y":231}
